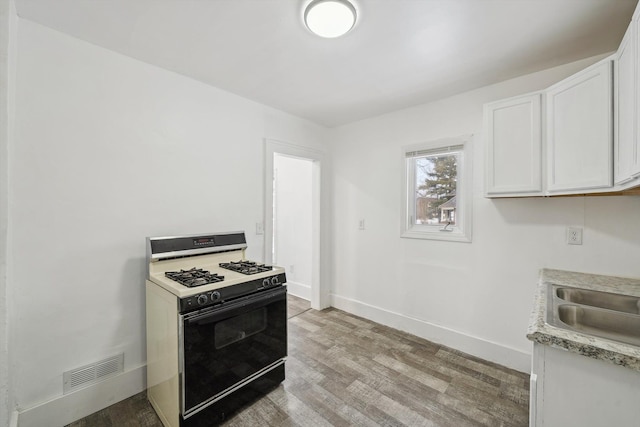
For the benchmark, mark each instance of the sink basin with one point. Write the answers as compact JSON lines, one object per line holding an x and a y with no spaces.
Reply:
{"x":608,"y":324}
{"x":617,"y":302}
{"x":602,"y":314}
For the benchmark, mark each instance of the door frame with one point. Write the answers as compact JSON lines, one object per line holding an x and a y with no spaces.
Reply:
{"x":319,"y":276}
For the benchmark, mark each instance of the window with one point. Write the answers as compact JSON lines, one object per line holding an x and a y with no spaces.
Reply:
{"x":437,"y":188}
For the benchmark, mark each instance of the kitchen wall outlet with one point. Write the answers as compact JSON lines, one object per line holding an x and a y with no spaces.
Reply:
{"x":361,"y":224}
{"x":259,"y":228}
{"x":292,"y":269}
{"x":574,"y":235}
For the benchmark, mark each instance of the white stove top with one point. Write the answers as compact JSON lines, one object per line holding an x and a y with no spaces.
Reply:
{"x":209,"y":262}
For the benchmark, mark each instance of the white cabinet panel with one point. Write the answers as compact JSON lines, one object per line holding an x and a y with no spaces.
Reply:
{"x":579,"y":131}
{"x":625,"y":145}
{"x":634,"y":35}
{"x":514,"y":147}
{"x":575,"y":390}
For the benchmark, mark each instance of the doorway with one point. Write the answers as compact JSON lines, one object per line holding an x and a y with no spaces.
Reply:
{"x":293,"y":220}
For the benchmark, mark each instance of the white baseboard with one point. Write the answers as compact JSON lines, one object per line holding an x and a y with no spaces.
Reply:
{"x":487,"y":350}
{"x":71,"y":407}
{"x":299,"y":290}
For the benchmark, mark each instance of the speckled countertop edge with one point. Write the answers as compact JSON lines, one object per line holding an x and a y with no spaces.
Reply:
{"x":587,"y":345}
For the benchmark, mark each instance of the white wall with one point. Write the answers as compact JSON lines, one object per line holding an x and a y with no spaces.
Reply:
{"x":107,"y":151}
{"x":293,"y":202}
{"x":476,"y":297}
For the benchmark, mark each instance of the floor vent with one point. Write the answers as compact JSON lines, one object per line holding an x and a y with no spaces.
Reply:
{"x":91,"y":374}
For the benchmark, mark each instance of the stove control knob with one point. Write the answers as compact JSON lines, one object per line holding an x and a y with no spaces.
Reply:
{"x":275,"y":280}
{"x":265,"y":282}
{"x":215,"y":296}
{"x":202,"y":299}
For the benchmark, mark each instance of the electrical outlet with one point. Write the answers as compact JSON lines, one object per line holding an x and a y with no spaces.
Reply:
{"x":574,"y":235}
{"x":259,"y":228}
{"x":292,"y":269}
{"x":361,"y":224}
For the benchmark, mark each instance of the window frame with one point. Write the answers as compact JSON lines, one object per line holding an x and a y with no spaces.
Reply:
{"x":461,"y":232}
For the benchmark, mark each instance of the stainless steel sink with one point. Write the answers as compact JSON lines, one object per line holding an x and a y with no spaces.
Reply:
{"x":617,"y":302}
{"x":608,"y":324}
{"x":606,"y":315}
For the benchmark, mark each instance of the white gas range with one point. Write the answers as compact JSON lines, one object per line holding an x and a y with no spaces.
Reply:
{"x":216,"y":327}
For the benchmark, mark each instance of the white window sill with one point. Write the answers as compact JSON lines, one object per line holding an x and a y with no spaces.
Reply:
{"x":435,"y":234}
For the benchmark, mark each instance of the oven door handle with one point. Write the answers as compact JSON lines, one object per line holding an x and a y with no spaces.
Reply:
{"x":214,"y":314}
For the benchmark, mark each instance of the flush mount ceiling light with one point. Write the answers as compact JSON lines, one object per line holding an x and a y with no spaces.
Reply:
{"x":330,"y":18}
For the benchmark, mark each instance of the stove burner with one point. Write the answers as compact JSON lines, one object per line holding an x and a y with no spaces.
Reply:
{"x":194,"y":277}
{"x":246,"y":267}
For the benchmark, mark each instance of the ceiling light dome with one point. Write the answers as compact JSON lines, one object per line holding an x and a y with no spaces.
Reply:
{"x":330,"y":18}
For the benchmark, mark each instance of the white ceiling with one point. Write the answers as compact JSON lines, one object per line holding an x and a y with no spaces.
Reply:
{"x":401,"y":52}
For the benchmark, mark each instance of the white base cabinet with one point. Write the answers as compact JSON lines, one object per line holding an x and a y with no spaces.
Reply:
{"x":568,"y":389}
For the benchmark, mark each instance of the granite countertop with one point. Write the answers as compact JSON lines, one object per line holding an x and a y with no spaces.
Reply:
{"x":626,"y":355}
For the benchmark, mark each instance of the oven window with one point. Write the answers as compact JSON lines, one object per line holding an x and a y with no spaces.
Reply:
{"x":240,"y":327}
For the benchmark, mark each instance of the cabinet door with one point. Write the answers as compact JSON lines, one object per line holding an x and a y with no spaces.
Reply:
{"x":579,"y":131}
{"x":635,"y":36}
{"x":514,"y":147}
{"x":576,"y":390}
{"x":625,"y":147}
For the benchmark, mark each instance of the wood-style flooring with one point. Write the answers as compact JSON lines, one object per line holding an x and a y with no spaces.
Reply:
{"x":343,"y":370}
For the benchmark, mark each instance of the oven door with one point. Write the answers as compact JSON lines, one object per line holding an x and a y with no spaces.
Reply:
{"x":225,"y":346}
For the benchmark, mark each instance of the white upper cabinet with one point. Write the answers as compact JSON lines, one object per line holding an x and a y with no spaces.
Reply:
{"x":580,"y":136}
{"x":625,"y":143}
{"x":635,"y":36}
{"x":579,"y":131}
{"x":514,"y":147}
{"x":558,"y":141}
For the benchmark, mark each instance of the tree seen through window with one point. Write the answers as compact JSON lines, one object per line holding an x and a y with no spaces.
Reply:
{"x":436,"y":178}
